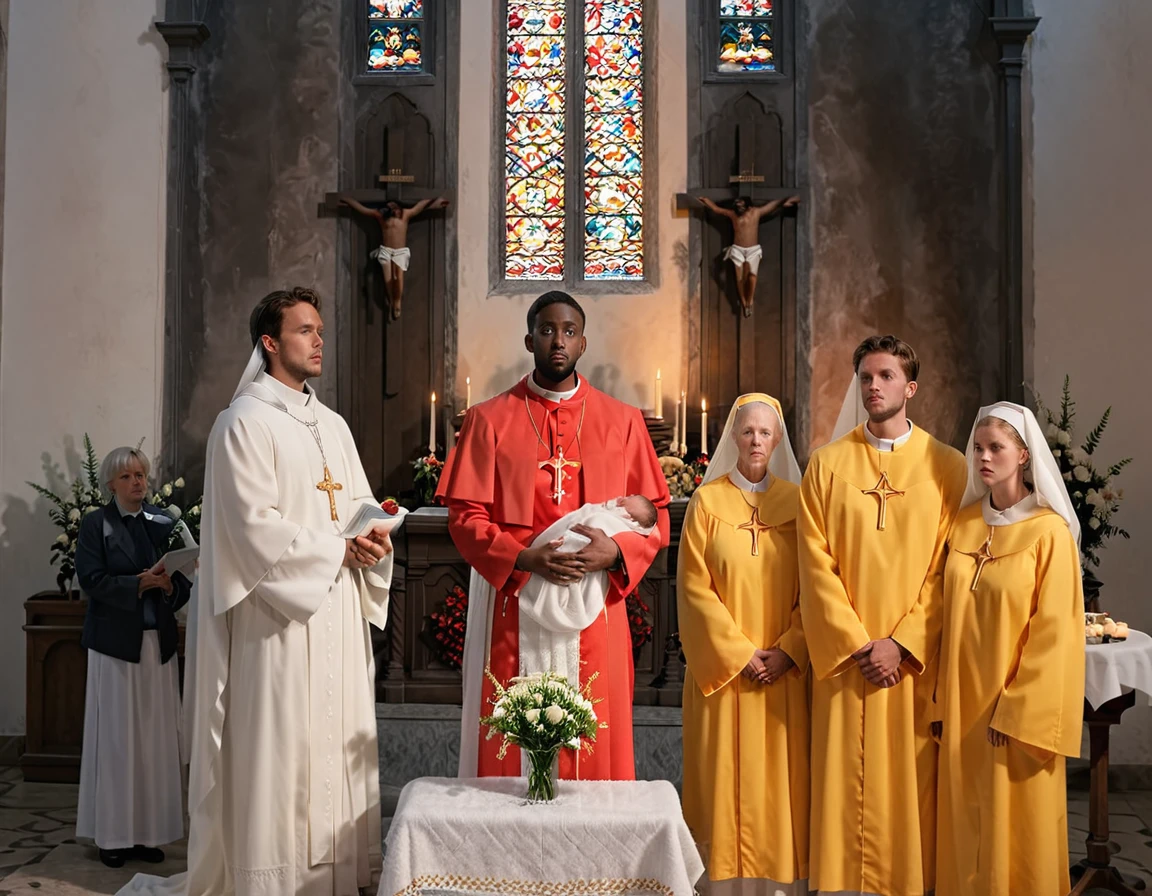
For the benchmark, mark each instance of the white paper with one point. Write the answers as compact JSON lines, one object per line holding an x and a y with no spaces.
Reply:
{"x":373,"y":519}
{"x":180,"y":560}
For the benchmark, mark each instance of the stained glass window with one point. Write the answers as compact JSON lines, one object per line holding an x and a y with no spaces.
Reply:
{"x":395,"y":36}
{"x":746,"y":36}
{"x":541,"y":228}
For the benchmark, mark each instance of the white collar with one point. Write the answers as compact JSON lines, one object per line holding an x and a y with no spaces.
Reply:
{"x":285,"y":393}
{"x":742,"y":482}
{"x":1024,"y":509}
{"x":535,"y":387}
{"x":123,"y":512}
{"x":887,"y":444}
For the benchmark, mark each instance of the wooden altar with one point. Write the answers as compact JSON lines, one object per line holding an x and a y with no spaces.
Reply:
{"x":429,"y":567}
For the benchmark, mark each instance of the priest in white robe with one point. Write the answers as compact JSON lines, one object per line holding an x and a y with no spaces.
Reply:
{"x":283,"y":784}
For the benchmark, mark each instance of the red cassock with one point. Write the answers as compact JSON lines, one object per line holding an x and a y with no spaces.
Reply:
{"x":500,"y":494}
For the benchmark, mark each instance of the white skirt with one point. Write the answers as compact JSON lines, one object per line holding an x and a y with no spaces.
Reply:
{"x":130,"y":784}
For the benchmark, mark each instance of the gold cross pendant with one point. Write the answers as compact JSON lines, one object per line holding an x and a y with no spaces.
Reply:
{"x":557,"y":465}
{"x":883,"y":490}
{"x":330,"y":485}
{"x":982,"y":557}
{"x":755,"y":527}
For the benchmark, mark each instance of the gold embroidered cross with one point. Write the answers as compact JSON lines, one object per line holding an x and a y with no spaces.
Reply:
{"x":982,"y":557}
{"x":755,"y":527}
{"x":883,"y":490}
{"x":557,"y":465}
{"x":330,"y":485}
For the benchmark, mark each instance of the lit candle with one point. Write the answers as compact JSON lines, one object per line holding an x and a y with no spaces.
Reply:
{"x":703,"y":426}
{"x":676,"y":430}
{"x":467,"y":392}
{"x":658,"y":404}
{"x":432,"y":427}
{"x":684,"y":425}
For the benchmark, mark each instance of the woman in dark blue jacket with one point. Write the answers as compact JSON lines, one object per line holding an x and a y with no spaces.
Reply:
{"x":130,"y":786}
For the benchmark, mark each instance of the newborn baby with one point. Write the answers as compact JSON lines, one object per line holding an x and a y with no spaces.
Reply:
{"x":552,"y":616}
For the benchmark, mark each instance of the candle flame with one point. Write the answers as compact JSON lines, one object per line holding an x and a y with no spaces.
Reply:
{"x":467,"y":381}
{"x":657,"y":373}
{"x":433,"y":396}
{"x":703,"y":404}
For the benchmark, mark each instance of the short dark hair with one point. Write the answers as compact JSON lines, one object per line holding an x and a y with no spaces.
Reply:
{"x":268,"y":316}
{"x":889,"y":345}
{"x":650,"y":515}
{"x":553,"y":297}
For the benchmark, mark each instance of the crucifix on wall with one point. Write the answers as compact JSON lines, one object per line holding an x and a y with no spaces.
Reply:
{"x":392,"y":206}
{"x":752,"y":204}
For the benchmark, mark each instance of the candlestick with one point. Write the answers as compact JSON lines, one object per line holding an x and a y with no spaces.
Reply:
{"x":704,"y":427}
{"x":684,"y":425}
{"x":432,"y":427}
{"x":675,"y":430}
{"x":658,"y":404}
{"x":467,"y":392}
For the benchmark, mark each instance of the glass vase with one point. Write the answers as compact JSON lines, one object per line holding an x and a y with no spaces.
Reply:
{"x":541,"y":777}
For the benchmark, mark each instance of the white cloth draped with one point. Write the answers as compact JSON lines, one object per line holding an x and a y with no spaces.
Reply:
{"x":552,"y":616}
{"x":1111,"y":670}
{"x":284,"y":798}
{"x":130,"y":775}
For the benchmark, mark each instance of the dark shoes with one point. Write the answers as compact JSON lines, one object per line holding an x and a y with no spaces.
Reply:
{"x":115,"y":858}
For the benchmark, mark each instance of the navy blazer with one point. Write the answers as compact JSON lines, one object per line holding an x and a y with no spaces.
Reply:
{"x":107,"y":569}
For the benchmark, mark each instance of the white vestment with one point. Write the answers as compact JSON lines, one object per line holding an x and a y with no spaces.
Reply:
{"x":283,"y":784}
{"x":552,"y":616}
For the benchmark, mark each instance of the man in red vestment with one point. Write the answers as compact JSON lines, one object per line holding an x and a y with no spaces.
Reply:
{"x":525,"y":458}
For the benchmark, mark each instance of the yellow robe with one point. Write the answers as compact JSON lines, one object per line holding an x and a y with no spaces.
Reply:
{"x":1013,"y":659}
{"x":745,"y":744}
{"x":873,"y":759}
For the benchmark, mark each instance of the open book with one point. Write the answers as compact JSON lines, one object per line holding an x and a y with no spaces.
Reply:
{"x":371,"y":518}
{"x":180,"y":560}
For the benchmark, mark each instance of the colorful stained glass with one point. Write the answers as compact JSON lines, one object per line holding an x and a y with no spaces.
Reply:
{"x":746,"y":46}
{"x":613,"y":140}
{"x":395,"y":9}
{"x":395,"y":48}
{"x":745,"y":7}
{"x":534,"y":142}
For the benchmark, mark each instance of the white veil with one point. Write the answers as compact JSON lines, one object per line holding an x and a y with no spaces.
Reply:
{"x":253,"y":369}
{"x":782,"y":464}
{"x":1044,"y":473}
{"x":852,"y":412}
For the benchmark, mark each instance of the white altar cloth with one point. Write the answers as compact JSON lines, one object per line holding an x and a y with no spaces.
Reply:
{"x":1111,"y":670}
{"x":480,"y":837}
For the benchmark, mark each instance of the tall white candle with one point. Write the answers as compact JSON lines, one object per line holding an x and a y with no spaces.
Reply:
{"x":684,"y":425}
{"x":467,"y":392}
{"x":676,"y":431}
{"x":703,"y":426}
{"x":432,"y":427}
{"x":658,"y":404}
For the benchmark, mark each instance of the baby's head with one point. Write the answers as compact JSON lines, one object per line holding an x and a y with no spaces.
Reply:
{"x":640,"y":509}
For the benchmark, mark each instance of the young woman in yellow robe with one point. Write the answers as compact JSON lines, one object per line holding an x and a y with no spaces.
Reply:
{"x":745,"y":692}
{"x":1009,"y":698}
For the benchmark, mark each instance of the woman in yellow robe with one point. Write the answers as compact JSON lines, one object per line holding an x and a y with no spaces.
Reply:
{"x":1009,"y":697}
{"x":746,"y":687}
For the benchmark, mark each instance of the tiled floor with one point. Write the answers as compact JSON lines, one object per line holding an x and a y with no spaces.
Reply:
{"x":39,"y":855}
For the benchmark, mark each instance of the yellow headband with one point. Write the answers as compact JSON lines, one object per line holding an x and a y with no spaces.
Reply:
{"x":753,"y":397}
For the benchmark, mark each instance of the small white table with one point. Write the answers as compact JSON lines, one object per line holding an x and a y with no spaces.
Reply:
{"x":1114,"y":676}
{"x":480,"y":837}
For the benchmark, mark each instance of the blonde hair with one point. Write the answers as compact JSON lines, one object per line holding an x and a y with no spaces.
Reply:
{"x":117,"y":461}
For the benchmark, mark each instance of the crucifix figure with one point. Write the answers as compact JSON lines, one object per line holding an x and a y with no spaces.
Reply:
{"x":331,"y":486}
{"x":557,"y":465}
{"x":883,"y":490}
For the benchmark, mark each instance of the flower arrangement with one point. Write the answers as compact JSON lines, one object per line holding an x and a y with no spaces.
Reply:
{"x":1094,"y":498}
{"x":67,"y":512}
{"x":427,"y":477}
{"x":541,"y":713}
{"x":443,"y":632}
{"x":170,"y":496}
{"x":683,"y":477}
{"x":639,"y":624}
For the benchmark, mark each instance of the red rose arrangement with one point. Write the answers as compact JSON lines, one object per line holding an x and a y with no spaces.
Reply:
{"x":443,"y":631}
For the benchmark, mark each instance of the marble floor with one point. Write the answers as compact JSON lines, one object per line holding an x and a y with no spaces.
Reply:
{"x":39,"y":855}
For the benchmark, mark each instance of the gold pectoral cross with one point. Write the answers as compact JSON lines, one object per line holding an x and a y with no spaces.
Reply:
{"x":755,"y":527}
{"x":557,"y":465}
{"x":330,"y":485}
{"x":883,"y":490}
{"x":982,"y":557}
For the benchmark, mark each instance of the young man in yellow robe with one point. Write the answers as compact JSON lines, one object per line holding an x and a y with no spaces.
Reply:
{"x":875,"y":508}
{"x":746,"y":688}
{"x":1010,"y":692}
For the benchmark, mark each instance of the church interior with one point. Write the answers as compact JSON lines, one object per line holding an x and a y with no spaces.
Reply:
{"x":969,"y":175}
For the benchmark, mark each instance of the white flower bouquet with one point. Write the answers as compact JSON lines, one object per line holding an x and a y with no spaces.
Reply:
{"x":541,"y":714}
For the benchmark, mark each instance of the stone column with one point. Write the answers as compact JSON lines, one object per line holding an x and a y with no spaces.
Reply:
{"x":1011,"y":29}
{"x":183,"y":34}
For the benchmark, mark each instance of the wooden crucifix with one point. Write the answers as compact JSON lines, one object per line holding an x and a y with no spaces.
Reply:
{"x":392,"y":207}
{"x":752,"y":204}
